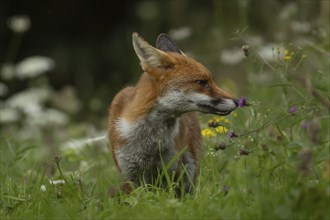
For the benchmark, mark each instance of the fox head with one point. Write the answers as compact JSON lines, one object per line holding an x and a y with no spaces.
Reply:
{"x":181,"y":83}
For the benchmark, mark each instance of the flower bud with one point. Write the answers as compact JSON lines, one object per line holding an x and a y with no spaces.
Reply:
{"x":19,"y":23}
{"x":232,"y":134}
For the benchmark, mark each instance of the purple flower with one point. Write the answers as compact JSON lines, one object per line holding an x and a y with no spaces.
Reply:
{"x":242,"y":102}
{"x":225,"y":189}
{"x":304,"y":125}
{"x":243,"y":152}
{"x":232,"y":134}
{"x":293,"y":109}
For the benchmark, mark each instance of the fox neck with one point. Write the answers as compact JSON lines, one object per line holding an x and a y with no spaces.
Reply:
{"x":148,"y":103}
{"x":147,"y":115}
{"x":155,"y":130}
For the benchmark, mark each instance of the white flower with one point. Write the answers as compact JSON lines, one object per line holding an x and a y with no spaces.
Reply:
{"x":180,"y":33}
{"x":232,"y":57}
{"x":29,"y":101}
{"x":8,"y":115}
{"x":34,"y":66}
{"x":56,"y":182}
{"x":19,"y":23}
{"x":302,"y":27}
{"x":48,"y":117}
{"x":54,"y":117}
{"x":43,"y":188}
{"x":267,"y":52}
{"x":77,"y":144}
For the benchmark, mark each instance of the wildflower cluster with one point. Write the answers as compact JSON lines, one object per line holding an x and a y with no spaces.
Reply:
{"x":288,"y":55}
{"x":37,"y":105}
{"x":207,"y":133}
{"x":217,"y":125}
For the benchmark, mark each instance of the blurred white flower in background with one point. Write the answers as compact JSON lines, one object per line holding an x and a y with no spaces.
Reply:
{"x":78,"y":144}
{"x":29,"y":101}
{"x":232,"y":56}
{"x":31,"y":111}
{"x":8,"y":115}
{"x":19,"y":23}
{"x":56,"y":182}
{"x":267,"y":52}
{"x":43,"y":188}
{"x":48,"y":117}
{"x":27,"y":68}
{"x":33,"y":66}
{"x":180,"y":33}
{"x":302,"y":27}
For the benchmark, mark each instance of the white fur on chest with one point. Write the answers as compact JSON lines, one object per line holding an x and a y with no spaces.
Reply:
{"x":147,"y":128}
{"x":147,"y":143}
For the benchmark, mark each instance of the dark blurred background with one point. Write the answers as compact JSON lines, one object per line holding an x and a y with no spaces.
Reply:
{"x":90,"y":41}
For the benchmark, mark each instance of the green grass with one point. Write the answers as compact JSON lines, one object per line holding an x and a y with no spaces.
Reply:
{"x":277,"y":168}
{"x":266,"y":184}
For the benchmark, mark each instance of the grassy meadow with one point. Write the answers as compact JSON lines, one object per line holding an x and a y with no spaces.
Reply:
{"x":267,"y":160}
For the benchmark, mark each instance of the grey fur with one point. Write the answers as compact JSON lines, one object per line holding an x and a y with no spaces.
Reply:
{"x":157,"y":133}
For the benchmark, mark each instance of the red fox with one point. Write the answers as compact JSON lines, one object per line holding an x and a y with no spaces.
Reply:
{"x":150,"y":123}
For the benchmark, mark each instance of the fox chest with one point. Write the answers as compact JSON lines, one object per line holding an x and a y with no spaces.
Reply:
{"x":147,"y":145}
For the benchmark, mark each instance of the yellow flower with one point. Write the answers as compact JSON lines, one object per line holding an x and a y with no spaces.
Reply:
{"x":287,"y":58}
{"x":207,"y":133}
{"x":221,"y":129}
{"x":219,"y":120}
{"x":288,"y":55}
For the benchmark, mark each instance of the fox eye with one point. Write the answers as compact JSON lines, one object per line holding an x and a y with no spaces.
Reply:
{"x":203,"y":83}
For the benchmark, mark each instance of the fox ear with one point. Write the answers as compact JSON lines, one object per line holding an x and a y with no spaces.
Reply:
{"x":165,"y":43}
{"x":150,"y":57}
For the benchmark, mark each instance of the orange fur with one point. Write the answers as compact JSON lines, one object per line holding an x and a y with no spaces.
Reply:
{"x":159,"y":109}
